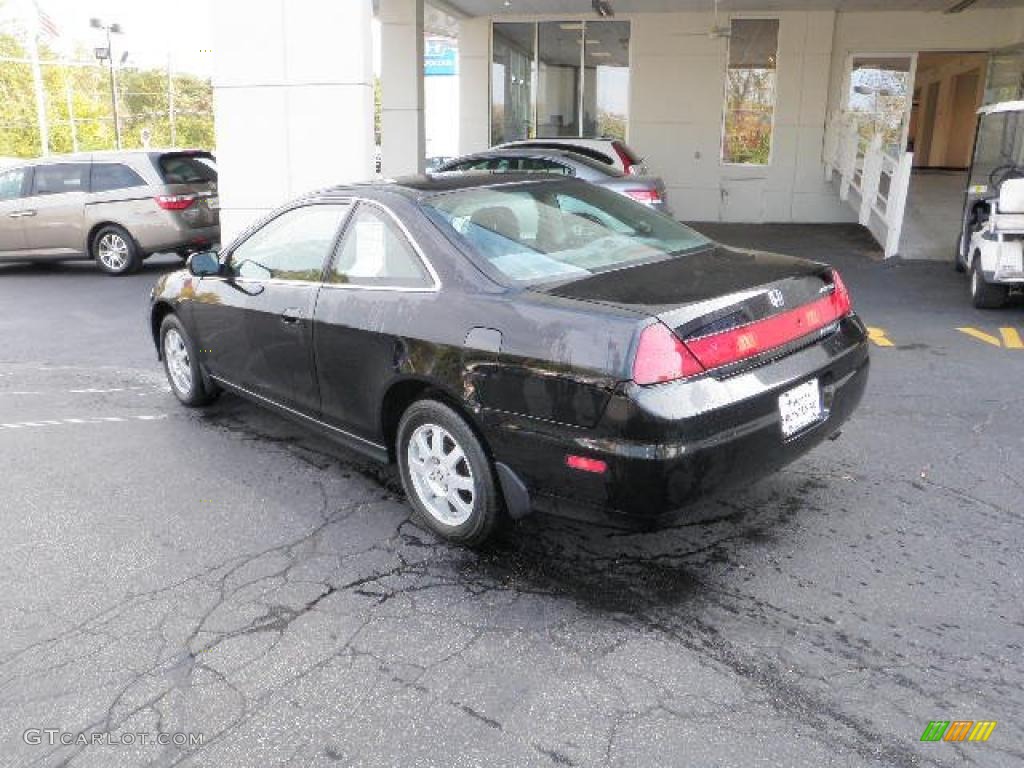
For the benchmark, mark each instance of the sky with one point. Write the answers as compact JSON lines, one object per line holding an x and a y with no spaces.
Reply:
{"x":153,"y":30}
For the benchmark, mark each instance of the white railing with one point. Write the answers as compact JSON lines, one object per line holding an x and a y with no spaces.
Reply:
{"x":880,"y":179}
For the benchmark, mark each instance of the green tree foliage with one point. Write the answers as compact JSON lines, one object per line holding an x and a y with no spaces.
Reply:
{"x":143,"y":98}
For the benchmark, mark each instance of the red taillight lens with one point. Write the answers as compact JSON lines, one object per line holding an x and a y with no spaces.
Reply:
{"x":662,"y":356}
{"x":627,"y":161}
{"x":841,"y":295}
{"x":647,"y":196}
{"x":718,"y":349}
{"x":174,"y":202}
{"x":585,"y":464}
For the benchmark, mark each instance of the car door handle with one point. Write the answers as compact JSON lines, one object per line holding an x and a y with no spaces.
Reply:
{"x":291,"y":316}
{"x":22,"y":214}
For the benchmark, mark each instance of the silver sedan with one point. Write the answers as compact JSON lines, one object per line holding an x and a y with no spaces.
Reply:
{"x":649,"y":190}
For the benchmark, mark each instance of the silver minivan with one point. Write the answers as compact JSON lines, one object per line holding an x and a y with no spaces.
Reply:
{"x":117,"y":208}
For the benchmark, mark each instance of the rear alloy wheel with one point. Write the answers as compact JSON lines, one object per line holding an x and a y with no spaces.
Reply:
{"x":446,"y":473}
{"x":181,"y":366}
{"x":985,"y":295}
{"x":115,"y":251}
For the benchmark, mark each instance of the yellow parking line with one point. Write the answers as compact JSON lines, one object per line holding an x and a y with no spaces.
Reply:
{"x":1009,"y":338}
{"x":981,"y":336}
{"x":878,"y":337}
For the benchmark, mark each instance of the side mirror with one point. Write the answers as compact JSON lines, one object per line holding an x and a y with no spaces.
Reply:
{"x":204,"y":263}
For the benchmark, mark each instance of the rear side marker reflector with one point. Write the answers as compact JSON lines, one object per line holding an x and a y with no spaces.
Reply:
{"x":585,"y":464}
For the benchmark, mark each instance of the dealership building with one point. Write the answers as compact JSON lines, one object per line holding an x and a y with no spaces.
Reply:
{"x":732,"y":103}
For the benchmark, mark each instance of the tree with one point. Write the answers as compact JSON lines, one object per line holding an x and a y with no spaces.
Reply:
{"x":142,"y":95}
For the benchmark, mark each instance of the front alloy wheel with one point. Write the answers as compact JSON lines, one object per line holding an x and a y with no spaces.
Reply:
{"x":182,"y":367}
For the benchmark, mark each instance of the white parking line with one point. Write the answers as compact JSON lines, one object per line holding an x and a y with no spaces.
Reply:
{"x":86,"y":420}
{"x":149,"y":389}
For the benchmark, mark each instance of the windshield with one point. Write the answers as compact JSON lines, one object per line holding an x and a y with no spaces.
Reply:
{"x":533,"y":233}
{"x":999,"y":151}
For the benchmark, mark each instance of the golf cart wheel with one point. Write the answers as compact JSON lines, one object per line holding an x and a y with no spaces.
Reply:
{"x":985,"y":295}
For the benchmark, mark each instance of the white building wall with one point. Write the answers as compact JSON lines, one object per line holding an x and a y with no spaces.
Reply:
{"x":677,"y":92}
{"x":293,"y":101}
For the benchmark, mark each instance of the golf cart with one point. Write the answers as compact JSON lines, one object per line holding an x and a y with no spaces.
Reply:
{"x":992,"y":233}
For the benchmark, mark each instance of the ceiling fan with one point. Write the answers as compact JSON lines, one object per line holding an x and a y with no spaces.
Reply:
{"x":717,"y":31}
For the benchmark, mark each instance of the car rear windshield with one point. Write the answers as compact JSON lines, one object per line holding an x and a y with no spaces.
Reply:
{"x":555,"y":231}
{"x":188,"y":169}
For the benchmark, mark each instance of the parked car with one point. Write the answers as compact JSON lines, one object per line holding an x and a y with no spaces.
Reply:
{"x":117,"y":208}
{"x":613,"y":152}
{"x":649,"y":190}
{"x":519,"y":343}
{"x":433,"y":163}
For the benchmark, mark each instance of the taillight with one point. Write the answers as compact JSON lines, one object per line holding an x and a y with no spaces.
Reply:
{"x":627,"y":161}
{"x":174,"y":202}
{"x":841,"y":295}
{"x":662,"y":356}
{"x":646,"y":196}
{"x":718,"y":349}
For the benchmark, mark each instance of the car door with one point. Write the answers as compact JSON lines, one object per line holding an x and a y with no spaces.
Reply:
{"x":12,"y":231}
{"x":54,"y":212}
{"x":254,"y":322}
{"x":375,"y":268}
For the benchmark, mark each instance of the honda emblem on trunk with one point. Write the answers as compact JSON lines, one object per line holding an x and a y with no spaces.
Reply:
{"x":776,"y":298}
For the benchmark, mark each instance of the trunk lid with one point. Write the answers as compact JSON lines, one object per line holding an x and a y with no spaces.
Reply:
{"x":707,"y":293}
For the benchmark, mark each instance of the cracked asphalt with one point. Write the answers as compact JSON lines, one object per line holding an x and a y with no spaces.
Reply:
{"x":226,"y":573}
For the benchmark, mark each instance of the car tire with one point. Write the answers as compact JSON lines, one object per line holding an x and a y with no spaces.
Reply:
{"x":115,"y":251}
{"x":447,"y":475}
{"x":181,"y":364}
{"x":985,"y":295}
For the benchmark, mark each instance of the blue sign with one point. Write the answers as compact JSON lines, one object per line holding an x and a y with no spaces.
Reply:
{"x":439,"y":57}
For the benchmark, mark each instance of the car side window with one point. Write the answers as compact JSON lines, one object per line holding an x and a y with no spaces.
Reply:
{"x":292,"y":246}
{"x":543,"y":165}
{"x":376,"y":253}
{"x":111,"y":176}
{"x":59,"y":178}
{"x":11,"y":184}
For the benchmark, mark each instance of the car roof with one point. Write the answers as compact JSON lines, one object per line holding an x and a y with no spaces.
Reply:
{"x":109,"y":154}
{"x":526,"y":150}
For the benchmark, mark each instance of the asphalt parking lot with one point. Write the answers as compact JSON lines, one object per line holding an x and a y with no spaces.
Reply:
{"x":224,"y":573}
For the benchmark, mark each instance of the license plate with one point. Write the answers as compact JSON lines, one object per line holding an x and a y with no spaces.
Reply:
{"x":800,"y":407}
{"x":213,"y":203}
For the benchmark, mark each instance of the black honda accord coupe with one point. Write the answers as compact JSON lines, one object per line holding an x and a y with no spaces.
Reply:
{"x":519,"y":343}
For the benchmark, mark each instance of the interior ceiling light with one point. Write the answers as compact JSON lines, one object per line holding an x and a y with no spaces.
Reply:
{"x":603,"y":8}
{"x":961,"y":6}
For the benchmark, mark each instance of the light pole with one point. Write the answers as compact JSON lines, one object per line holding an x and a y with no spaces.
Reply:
{"x":108,"y":54}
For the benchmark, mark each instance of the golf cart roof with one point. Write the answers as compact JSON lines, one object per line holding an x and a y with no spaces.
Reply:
{"x":1003,"y":106}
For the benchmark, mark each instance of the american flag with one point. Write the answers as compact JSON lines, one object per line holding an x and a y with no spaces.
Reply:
{"x":46,"y":23}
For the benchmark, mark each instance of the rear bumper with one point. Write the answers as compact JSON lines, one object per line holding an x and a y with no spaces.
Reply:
{"x":668,"y":445}
{"x":172,"y":234}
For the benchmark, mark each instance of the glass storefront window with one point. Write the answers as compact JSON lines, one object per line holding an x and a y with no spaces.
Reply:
{"x":512,"y":82}
{"x":606,"y":79}
{"x":558,"y":79}
{"x":750,"y":91}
